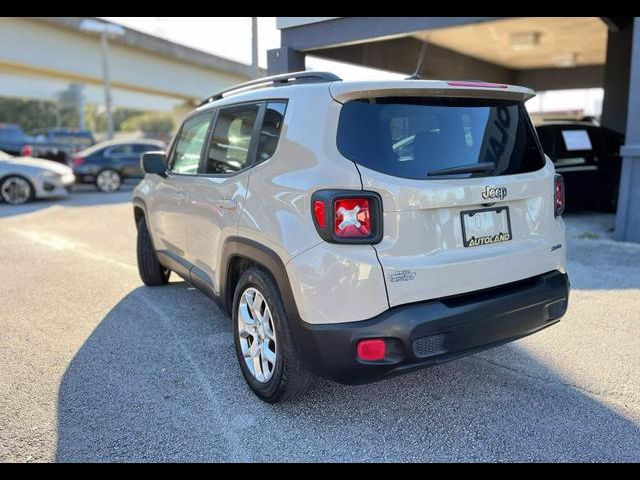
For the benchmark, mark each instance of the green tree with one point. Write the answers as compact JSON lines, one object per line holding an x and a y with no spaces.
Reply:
{"x":150,"y":123}
{"x":29,"y":114}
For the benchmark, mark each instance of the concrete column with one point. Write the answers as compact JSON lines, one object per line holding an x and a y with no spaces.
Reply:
{"x":628,"y":216}
{"x":616,"y":79}
{"x":284,"y":60}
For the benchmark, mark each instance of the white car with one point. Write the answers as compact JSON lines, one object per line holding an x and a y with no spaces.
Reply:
{"x":356,"y":230}
{"x":24,"y":178}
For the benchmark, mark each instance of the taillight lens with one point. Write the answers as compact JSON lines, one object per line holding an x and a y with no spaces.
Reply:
{"x":559,"y":195}
{"x":318,"y":212}
{"x":371,"y":349}
{"x":347,"y":216}
{"x":27,"y":151}
{"x":352,"y":218}
{"x":77,"y":161}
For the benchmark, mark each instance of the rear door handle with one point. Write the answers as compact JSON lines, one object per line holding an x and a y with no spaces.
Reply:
{"x":227,"y":204}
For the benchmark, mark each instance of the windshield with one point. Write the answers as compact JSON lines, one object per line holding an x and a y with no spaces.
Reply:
{"x":409,"y":137}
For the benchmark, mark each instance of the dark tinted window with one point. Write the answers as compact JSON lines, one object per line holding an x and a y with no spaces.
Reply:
{"x":119,"y":151}
{"x":270,"y":132}
{"x":229,"y":149}
{"x":612,"y":141}
{"x":546,"y":140}
{"x":409,"y":137}
{"x":144,"y":147}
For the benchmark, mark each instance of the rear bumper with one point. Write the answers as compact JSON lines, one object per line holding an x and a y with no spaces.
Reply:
{"x":426,"y":333}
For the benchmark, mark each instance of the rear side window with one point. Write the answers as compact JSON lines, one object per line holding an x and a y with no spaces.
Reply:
{"x":409,"y":137}
{"x":270,"y":132}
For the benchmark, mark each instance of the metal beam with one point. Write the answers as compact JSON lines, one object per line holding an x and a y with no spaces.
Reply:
{"x":588,"y":76}
{"x":349,"y":30}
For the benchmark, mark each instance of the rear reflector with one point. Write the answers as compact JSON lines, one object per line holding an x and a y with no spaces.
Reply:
{"x":371,"y":349}
{"x":476,"y":84}
{"x":559,"y":195}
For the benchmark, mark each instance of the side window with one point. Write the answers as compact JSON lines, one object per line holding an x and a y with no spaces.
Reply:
{"x":229,"y":149}
{"x":186,"y":154}
{"x":143,"y":147}
{"x":119,"y":151}
{"x":271,"y":127}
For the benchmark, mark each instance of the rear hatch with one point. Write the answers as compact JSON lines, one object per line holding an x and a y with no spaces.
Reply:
{"x":468,"y":196}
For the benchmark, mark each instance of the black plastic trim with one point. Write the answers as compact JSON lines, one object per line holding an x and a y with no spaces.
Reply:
{"x":471,"y":323}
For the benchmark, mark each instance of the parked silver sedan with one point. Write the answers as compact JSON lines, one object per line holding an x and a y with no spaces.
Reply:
{"x":24,"y":178}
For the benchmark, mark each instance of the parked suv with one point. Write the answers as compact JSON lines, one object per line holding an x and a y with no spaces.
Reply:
{"x":356,"y":230}
{"x":588,"y":158}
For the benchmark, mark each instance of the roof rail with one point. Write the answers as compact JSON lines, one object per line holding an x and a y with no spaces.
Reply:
{"x":304,"y":76}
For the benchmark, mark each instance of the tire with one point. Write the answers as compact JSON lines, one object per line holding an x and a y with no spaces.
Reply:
{"x":108,"y":181}
{"x":151,"y":272}
{"x":16,"y":190}
{"x":288,"y":378}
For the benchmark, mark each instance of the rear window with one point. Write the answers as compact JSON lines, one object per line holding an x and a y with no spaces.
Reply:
{"x":409,"y":137}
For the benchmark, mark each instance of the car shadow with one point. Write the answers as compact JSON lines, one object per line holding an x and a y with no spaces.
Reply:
{"x":157,"y":380}
{"x":80,"y":196}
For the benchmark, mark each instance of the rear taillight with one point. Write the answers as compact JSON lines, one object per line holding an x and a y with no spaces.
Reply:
{"x":27,"y":151}
{"x":318,"y":211}
{"x":77,"y":161}
{"x":344,"y":216}
{"x":352,"y":217}
{"x":559,"y":195}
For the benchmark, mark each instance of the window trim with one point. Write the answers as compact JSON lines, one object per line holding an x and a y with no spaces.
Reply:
{"x":174,"y":145}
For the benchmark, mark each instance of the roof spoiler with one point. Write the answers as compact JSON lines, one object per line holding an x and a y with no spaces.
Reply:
{"x":345,"y":91}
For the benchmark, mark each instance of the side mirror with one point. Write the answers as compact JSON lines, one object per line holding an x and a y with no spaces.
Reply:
{"x":154,"y":162}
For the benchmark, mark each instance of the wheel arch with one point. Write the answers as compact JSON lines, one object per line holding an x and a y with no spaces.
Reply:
{"x":241,"y":253}
{"x":140,"y":211}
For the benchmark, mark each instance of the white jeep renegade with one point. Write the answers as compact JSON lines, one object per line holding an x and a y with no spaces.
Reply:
{"x":356,"y":230}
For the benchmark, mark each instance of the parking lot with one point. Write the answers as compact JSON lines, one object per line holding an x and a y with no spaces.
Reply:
{"x":96,"y":367}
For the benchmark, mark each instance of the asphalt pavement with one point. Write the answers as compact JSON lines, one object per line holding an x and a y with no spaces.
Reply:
{"x":96,"y":367}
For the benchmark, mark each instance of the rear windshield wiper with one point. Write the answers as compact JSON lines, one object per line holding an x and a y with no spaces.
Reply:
{"x":470,"y":168}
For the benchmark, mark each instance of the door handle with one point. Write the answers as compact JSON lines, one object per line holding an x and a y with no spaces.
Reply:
{"x":227,"y":204}
{"x":180,"y":196}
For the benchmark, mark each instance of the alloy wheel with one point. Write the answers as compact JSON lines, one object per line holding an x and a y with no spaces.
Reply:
{"x":108,"y":181}
{"x":15,"y":190}
{"x":257,"y":335}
